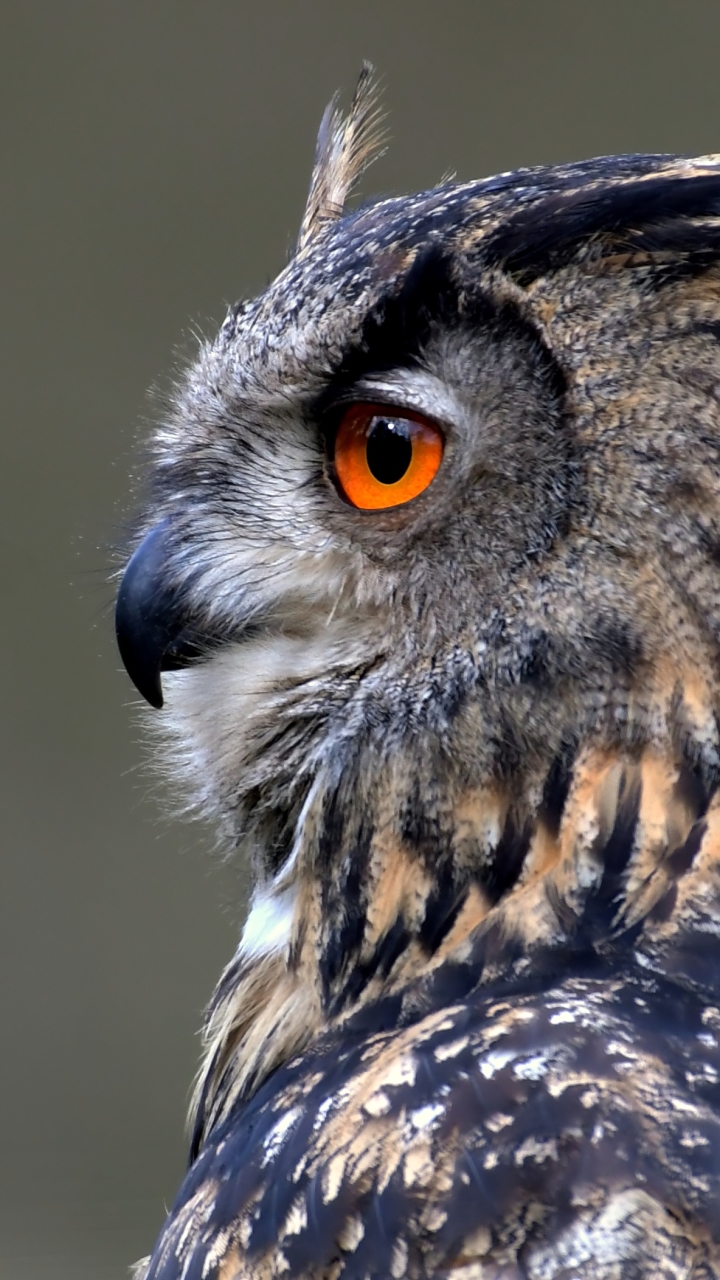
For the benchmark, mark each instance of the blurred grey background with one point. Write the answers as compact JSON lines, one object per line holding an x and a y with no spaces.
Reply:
{"x":155,"y":156}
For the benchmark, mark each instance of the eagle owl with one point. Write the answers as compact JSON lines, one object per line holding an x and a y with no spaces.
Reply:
{"x":429,"y":581}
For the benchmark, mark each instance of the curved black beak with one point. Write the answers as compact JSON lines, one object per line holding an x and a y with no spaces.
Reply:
{"x":150,"y":624}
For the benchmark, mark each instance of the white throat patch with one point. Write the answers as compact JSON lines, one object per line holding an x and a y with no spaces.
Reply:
{"x":269,"y":923}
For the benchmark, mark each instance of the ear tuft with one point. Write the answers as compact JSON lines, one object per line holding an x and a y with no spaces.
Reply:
{"x":346,"y":145}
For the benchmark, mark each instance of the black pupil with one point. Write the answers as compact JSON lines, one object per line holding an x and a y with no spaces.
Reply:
{"x":389,"y":449}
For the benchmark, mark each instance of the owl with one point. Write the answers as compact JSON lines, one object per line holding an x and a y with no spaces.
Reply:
{"x":428,"y":588}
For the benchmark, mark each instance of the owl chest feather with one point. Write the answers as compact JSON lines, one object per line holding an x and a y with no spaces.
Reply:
{"x":541,"y":1084}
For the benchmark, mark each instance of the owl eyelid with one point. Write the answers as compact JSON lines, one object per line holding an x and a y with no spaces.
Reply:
{"x":365,"y":395}
{"x":406,"y":389}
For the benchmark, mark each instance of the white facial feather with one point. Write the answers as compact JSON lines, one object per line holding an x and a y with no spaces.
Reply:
{"x":220,"y":715}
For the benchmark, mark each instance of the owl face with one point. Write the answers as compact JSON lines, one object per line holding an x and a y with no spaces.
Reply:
{"x":295,"y":571}
{"x":445,"y":493}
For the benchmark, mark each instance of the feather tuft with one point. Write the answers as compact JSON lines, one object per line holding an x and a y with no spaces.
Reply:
{"x":346,"y":146}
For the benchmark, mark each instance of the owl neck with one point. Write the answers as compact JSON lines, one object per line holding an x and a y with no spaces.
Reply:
{"x":608,"y":851}
{"x":596,"y":856}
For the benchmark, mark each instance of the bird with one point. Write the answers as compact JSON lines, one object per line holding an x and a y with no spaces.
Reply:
{"x":426,"y":593}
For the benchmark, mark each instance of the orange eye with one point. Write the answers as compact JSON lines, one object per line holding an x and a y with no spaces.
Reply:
{"x":384,"y":458}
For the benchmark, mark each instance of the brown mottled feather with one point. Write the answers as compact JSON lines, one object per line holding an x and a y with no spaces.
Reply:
{"x":540,"y":1091}
{"x":470,"y":745}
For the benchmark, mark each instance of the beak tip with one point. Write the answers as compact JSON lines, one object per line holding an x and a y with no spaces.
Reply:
{"x":138,"y":664}
{"x":143,"y":618}
{"x":154,"y":697}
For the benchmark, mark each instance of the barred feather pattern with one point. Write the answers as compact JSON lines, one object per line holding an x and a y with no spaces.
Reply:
{"x":544,"y":1088}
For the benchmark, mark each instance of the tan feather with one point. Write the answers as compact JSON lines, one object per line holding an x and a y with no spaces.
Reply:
{"x":346,"y":146}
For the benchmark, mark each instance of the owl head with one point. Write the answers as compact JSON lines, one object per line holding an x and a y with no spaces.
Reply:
{"x":430,"y":521}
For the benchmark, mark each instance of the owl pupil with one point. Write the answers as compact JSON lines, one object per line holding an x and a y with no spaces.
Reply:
{"x":389,"y":450}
